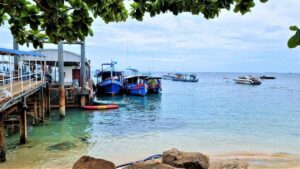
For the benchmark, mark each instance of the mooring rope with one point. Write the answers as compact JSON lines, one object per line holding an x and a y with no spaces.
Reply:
{"x":153,"y":157}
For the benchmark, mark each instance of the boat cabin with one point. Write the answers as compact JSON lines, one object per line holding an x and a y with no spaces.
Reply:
{"x":153,"y":80}
{"x":138,"y":79}
{"x":107,"y":75}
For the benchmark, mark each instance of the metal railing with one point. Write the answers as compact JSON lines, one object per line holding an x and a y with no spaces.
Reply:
{"x":11,"y":85}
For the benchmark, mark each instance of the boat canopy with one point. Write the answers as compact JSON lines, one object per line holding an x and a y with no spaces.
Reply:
{"x":100,"y":73}
{"x":136,"y":76}
{"x":12,"y":52}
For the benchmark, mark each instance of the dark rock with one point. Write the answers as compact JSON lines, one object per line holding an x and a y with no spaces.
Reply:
{"x":66,"y":145}
{"x":149,"y":166}
{"x":188,"y":160}
{"x":86,"y":162}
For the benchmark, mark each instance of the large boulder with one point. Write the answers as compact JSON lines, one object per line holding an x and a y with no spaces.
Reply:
{"x":149,"y":166}
{"x":86,"y":162}
{"x":187,"y":160}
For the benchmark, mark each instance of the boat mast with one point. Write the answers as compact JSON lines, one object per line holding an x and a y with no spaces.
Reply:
{"x":111,"y":70}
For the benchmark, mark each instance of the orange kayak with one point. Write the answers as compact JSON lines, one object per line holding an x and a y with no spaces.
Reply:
{"x":102,"y":107}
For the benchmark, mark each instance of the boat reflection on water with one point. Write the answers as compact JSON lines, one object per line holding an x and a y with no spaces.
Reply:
{"x":131,"y":101}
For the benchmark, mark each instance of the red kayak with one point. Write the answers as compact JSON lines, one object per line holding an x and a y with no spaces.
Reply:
{"x":102,"y":107}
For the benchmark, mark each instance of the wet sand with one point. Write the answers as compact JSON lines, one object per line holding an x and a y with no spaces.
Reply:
{"x":257,"y":160}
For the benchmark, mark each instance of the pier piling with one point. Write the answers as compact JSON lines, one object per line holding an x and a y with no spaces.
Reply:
{"x":82,"y":74}
{"x":22,"y":123}
{"x":35,"y":111}
{"x":2,"y":140}
{"x":62,"y":98}
{"x":41,"y":106}
{"x":47,"y":99}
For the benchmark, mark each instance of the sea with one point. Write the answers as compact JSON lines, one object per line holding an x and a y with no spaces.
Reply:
{"x":212,"y":116}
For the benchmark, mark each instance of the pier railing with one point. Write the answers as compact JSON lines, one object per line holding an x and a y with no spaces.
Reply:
{"x":11,"y":85}
{"x":18,"y":79}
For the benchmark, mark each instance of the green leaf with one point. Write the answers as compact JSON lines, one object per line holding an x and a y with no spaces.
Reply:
{"x":294,"y":41}
{"x":294,"y":28}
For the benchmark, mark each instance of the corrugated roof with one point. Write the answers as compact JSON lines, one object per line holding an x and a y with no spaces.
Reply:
{"x":5,"y":51}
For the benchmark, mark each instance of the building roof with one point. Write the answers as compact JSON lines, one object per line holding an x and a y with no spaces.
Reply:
{"x":70,"y":58}
{"x":12,"y":52}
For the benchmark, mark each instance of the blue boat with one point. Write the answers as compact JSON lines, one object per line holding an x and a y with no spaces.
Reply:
{"x":109,"y":81}
{"x":136,"y":85}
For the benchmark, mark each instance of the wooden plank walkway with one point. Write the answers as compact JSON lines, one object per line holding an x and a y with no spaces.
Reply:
{"x":17,"y":89}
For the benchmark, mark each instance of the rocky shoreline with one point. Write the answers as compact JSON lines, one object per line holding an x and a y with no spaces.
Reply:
{"x":171,"y":159}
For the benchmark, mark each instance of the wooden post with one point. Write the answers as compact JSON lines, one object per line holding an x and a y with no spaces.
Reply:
{"x":2,"y":140}
{"x":22,"y":123}
{"x":42,"y":104}
{"x":48,"y":99}
{"x":82,"y":74}
{"x":35,"y":111}
{"x":61,"y":88}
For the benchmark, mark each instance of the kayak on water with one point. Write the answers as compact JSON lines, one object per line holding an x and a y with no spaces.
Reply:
{"x":102,"y":107}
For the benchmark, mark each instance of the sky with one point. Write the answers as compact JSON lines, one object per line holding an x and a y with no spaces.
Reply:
{"x":255,"y":42}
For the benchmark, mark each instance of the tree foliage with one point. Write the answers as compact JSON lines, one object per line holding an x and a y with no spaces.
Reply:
{"x":31,"y":21}
{"x":294,"y":41}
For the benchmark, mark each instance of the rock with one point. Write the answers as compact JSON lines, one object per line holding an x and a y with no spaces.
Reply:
{"x":66,"y":145}
{"x":86,"y":162}
{"x":188,"y":160}
{"x":230,"y":164}
{"x":149,"y":166}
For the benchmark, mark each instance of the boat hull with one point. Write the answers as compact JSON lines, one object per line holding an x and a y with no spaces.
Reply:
{"x":185,"y":80}
{"x":267,"y":77}
{"x":109,"y":87}
{"x":247,"y":81}
{"x":139,"y":90}
{"x":155,"y":89}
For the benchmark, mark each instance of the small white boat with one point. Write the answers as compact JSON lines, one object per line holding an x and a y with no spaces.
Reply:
{"x":247,"y":80}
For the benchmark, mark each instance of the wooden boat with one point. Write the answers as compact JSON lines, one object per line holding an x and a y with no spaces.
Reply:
{"x":136,"y":85}
{"x":186,"y":78}
{"x":247,"y":80}
{"x":109,"y":81}
{"x":102,"y":107}
{"x":154,"y":84}
{"x":267,"y":77}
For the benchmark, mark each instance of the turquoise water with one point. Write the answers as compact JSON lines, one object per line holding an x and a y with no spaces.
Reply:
{"x":212,"y":116}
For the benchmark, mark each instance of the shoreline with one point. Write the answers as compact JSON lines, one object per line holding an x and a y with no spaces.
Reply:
{"x":256,"y":160}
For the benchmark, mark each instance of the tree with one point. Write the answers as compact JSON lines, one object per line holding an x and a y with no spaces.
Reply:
{"x":31,"y":21}
{"x":294,"y":41}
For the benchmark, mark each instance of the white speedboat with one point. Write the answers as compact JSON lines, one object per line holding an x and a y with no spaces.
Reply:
{"x":247,"y":80}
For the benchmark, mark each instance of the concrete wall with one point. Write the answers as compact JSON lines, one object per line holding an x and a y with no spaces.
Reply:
{"x":68,"y":73}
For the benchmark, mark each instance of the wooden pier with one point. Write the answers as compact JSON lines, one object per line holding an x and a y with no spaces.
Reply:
{"x":14,"y":109}
{"x":26,"y":95}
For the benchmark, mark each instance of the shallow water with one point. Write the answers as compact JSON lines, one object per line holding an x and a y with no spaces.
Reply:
{"x":212,"y":116}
